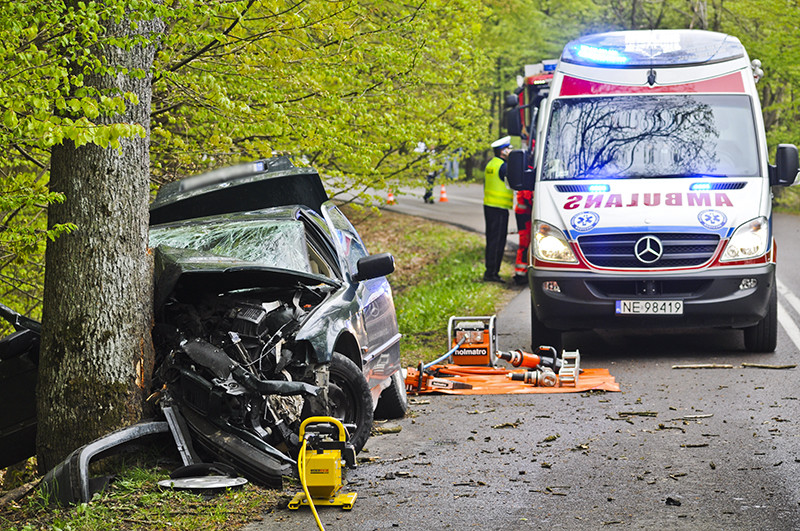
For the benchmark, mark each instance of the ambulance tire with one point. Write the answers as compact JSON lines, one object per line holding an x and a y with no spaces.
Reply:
{"x":350,"y":398}
{"x":541,"y":335}
{"x":393,"y":402}
{"x":763,"y":337}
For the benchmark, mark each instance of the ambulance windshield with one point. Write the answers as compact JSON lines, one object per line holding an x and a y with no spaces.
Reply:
{"x":623,"y":137}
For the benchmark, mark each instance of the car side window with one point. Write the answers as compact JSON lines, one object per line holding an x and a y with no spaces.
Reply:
{"x":348,"y":240}
{"x":319,"y":265}
{"x":321,"y":253}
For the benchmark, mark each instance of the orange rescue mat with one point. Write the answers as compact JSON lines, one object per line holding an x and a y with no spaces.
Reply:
{"x":467,"y":380}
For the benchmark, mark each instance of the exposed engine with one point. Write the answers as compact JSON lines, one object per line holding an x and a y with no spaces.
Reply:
{"x":232,"y":359}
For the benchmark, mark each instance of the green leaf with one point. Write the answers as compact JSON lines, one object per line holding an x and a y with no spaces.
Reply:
{"x":10,"y":119}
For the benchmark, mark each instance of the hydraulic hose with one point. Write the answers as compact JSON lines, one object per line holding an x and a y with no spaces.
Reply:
{"x":301,"y":470}
{"x":446,"y":355}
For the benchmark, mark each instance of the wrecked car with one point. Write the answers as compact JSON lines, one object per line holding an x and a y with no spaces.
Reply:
{"x":268,"y":310}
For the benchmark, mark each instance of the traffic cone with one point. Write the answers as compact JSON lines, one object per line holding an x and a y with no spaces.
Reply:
{"x":390,"y":198}
{"x":443,"y":195}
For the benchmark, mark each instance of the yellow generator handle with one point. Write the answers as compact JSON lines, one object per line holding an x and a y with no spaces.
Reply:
{"x":324,"y":420}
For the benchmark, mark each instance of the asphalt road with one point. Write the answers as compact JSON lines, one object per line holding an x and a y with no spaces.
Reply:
{"x":675,"y":449}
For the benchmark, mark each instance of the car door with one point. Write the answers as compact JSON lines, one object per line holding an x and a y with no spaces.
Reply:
{"x":381,"y":353}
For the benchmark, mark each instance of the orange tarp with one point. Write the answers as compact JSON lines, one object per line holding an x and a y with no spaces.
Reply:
{"x":495,"y":381}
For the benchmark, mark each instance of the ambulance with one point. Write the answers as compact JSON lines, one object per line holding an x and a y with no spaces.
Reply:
{"x":652,"y":189}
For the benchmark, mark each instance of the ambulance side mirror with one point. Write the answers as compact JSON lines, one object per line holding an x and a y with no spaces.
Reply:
{"x":785,"y":171}
{"x":513,"y":115}
{"x":518,"y":174}
{"x":513,"y":122}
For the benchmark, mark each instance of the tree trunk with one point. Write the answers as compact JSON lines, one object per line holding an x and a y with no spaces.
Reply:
{"x":97,"y":356}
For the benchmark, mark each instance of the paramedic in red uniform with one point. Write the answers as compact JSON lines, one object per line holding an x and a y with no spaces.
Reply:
{"x":522,"y":211}
{"x":498,"y":199}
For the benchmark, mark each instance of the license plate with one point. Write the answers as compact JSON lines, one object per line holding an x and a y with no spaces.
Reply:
{"x":650,"y":307}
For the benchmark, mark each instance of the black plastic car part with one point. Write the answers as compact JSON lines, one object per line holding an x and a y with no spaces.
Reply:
{"x":253,"y":463}
{"x":249,"y":186}
{"x":69,"y":482}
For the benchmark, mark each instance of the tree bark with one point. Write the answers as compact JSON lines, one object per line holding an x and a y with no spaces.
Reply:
{"x":96,"y":355}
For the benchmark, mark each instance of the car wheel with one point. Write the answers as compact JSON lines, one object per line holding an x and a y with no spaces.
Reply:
{"x":350,"y":398}
{"x":541,"y":335}
{"x":393,"y":402}
{"x":763,"y":337}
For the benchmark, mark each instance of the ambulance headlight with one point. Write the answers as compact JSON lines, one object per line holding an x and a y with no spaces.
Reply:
{"x":750,"y":240}
{"x":551,"y":245}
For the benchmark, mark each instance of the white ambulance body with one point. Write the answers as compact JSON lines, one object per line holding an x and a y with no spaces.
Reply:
{"x":652,"y":203}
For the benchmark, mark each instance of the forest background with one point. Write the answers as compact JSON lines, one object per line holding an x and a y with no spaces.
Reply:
{"x":101,"y":103}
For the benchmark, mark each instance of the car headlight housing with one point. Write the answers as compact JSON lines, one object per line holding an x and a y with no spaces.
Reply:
{"x":550,"y":244}
{"x":749,"y":240}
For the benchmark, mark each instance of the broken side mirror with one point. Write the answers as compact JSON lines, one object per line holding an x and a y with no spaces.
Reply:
{"x":518,"y":174}
{"x":374,"y":266}
{"x":785,"y":171}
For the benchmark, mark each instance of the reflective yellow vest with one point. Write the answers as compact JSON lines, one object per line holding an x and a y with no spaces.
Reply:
{"x":495,"y":191}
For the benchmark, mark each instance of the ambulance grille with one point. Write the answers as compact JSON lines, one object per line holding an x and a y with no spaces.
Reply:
{"x":618,"y":250}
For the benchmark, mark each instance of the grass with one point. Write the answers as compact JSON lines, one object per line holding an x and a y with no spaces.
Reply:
{"x":438,"y":274}
{"x":135,"y":501}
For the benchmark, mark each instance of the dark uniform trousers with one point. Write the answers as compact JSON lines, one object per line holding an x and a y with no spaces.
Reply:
{"x":496,"y":234}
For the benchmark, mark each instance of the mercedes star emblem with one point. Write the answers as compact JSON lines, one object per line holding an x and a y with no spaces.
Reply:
{"x":648,"y":249}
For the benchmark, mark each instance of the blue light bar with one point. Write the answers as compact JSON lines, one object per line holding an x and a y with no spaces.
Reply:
{"x":601,"y":55}
{"x":652,"y":48}
{"x":727,"y":185}
{"x":582,"y":188}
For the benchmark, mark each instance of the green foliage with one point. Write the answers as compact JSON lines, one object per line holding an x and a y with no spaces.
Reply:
{"x":48,"y":52}
{"x":348,"y":86}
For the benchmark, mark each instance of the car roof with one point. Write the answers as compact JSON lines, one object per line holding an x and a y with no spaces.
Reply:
{"x":249,"y":186}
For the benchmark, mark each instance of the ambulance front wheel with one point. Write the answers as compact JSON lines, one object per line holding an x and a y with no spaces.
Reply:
{"x":542,"y":335}
{"x":763,"y":337}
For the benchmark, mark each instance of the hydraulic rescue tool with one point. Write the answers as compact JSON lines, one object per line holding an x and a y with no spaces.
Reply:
{"x":544,"y":377}
{"x":319,"y":464}
{"x":425,"y":380}
{"x":544,"y":367}
{"x":520,"y":358}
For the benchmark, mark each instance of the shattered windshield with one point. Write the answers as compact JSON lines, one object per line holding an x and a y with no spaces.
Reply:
{"x":620,"y":137}
{"x":267,"y":243}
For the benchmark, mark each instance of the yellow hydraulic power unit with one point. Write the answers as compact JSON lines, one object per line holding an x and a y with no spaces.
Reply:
{"x":319,"y":464}
{"x":479,"y":340}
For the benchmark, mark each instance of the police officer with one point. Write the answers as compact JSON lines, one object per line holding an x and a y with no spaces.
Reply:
{"x":497,"y":201}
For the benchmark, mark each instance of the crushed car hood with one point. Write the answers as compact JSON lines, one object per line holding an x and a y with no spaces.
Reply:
{"x":198,"y":271}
